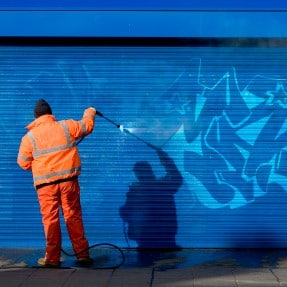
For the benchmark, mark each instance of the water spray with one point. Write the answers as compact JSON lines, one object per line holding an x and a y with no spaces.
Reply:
{"x":124,"y":130}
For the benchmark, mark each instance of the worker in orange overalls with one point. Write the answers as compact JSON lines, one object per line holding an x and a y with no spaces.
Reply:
{"x":49,"y":149}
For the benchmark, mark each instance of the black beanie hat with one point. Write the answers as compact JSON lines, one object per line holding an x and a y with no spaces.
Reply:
{"x":42,"y":108}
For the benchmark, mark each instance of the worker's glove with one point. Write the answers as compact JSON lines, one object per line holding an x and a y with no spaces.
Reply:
{"x":99,"y":113}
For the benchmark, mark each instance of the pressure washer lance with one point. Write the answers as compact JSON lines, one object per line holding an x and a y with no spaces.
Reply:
{"x":122,"y":129}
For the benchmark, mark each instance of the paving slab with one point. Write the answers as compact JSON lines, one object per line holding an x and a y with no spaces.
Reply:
{"x":47,"y":277}
{"x":132,"y":277}
{"x":281,"y":275}
{"x":214,"y":276}
{"x":173,"y":278}
{"x":88,"y":278}
{"x":15,"y":277}
{"x":255,"y":277}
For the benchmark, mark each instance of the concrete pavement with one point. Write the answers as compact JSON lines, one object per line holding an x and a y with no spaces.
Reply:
{"x":186,"y":268}
{"x":218,"y":276}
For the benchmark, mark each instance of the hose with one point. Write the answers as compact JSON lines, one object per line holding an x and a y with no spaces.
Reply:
{"x":123,"y":258}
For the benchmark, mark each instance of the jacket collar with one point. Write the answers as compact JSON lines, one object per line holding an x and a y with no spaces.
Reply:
{"x":41,"y":120}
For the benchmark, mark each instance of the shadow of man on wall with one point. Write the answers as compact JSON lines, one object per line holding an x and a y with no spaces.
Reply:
{"x":149,"y":211}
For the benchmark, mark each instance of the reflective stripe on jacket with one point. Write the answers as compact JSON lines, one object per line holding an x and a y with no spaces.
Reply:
{"x":49,"y":148}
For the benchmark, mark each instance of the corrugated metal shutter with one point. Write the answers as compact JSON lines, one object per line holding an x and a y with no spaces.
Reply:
{"x":218,"y":112}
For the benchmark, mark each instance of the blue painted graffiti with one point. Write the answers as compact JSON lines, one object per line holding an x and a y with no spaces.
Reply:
{"x":235,"y":140}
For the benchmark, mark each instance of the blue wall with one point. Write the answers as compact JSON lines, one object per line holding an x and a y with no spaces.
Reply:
{"x":143,"y":18}
{"x":143,"y":5}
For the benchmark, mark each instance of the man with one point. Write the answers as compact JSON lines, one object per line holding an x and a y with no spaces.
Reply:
{"x":49,"y":149}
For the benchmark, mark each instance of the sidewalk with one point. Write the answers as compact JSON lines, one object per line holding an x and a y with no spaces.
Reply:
{"x":186,"y":268}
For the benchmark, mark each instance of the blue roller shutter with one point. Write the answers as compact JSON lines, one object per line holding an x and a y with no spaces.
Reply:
{"x":218,"y":112}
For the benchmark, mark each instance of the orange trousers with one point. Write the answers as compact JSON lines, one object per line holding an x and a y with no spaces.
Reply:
{"x":65,"y":196}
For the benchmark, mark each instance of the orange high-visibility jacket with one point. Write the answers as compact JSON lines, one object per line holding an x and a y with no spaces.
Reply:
{"x":49,"y":148}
